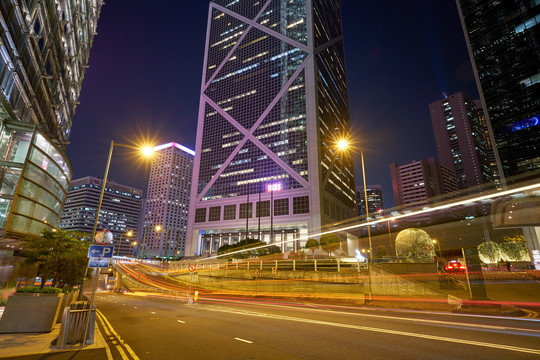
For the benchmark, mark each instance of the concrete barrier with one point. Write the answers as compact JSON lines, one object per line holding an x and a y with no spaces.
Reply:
{"x":25,"y":313}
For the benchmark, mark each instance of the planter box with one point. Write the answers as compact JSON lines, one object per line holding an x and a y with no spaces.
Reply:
{"x":29,"y":313}
{"x":66,"y":301}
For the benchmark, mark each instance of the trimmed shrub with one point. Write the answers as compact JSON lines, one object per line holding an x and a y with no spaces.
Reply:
{"x":414,"y":245}
{"x":489,"y":252}
{"x":514,"y":251}
{"x":38,"y":290}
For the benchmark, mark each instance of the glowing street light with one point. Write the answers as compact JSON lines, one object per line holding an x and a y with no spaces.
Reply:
{"x":343,"y":145}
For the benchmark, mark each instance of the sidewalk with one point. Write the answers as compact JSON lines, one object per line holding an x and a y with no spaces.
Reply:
{"x":23,"y":346}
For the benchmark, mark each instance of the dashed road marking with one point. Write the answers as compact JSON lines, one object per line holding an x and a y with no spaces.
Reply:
{"x":381,"y":330}
{"x":180,"y":321}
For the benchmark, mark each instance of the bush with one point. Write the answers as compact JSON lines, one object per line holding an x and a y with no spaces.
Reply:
{"x":489,"y":252}
{"x":245,"y":249}
{"x":38,"y":290}
{"x":414,"y":245}
{"x":330,"y":243}
{"x":514,"y":251}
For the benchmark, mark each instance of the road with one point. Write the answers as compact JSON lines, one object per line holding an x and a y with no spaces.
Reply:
{"x":142,"y":328}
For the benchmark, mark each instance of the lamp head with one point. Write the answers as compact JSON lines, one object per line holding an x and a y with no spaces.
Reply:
{"x":147,"y":151}
{"x":343,"y":144}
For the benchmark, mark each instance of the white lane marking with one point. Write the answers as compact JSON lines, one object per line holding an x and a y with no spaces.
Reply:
{"x":439,"y":322}
{"x":246,"y":341}
{"x":380,"y":330}
{"x":152,"y":312}
{"x":180,"y":321}
{"x":135,"y":307}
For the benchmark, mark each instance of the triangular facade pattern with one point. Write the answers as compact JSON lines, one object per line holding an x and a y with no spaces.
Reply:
{"x":257,"y":86}
{"x":287,"y":18}
{"x":274,"y":100}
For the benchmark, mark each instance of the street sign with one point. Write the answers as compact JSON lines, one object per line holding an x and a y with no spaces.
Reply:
{"x":191,"y":268}
{"x":98,"y":262}
{"x":100,"y":251}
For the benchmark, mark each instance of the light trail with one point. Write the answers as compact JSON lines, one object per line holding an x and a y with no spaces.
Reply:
{"x":381,"y":330}
{"x":425,"y":210}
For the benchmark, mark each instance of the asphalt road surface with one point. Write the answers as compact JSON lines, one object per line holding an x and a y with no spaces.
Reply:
{"x":142,"y":328}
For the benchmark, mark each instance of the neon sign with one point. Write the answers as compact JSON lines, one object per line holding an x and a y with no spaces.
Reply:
{"x":526,"y":123}
{"x":274,"y":187}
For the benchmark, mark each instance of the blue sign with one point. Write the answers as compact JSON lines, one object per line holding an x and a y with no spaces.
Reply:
{"x":100,"y":251}
{"x":98,"y":262}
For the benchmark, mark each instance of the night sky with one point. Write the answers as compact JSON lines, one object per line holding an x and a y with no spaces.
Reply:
{"x":145,"y":77}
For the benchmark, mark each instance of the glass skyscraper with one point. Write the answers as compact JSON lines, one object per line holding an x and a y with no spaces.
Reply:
{"x":44,"y":51}
{"x":273,"y":105}
{"x":504,"y":43}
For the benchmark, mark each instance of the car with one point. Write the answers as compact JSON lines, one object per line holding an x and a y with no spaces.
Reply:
{"x":454,"y":266}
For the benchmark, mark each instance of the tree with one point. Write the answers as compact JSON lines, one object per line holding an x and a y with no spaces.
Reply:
{"x":246,"y":249}
{"x":329,"y":243}
{"x":312,"y":245}
{"x":61,"y":256}
{"x":516,"y":237}
{"x":414,"y":245}
{"x":381,"y":251}
{"x":489,"y":252}
{"x":514,"y":251}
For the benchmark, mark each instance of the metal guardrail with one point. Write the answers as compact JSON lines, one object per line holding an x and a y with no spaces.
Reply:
{"x":329,"y":265}
{"x":74,"y":320}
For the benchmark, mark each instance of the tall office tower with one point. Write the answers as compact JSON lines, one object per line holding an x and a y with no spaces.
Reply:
{"x":273,"y":106}
{"x":374,"y":199}
{"x":119,"y":210}
{"x":44,"y":50}
{"x":461,"y":140}
{"x":414,"y":184}
{"x":487,"y":139}
{"x":503,"y":39}
{"x":167,"y":202}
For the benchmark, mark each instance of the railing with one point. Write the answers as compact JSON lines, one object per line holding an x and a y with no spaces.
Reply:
{"x":328,"y":265}
{"x":74,"y":320}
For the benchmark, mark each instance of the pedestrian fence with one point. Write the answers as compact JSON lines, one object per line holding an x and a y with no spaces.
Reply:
{"x":74,"y":320}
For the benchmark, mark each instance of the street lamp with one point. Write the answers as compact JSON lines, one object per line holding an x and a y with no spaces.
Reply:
{"x":128,"y":234}
{"x":344,"y":146}
{"x":439,"y":246}
{"x":134,"y":243}
{"x":103,"y":186}
{"x":157,"y":228}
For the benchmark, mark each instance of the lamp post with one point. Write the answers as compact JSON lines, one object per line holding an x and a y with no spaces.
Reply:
{"x":439,"y":246}
{"x":157,"y":228}
{"x":367,"y":206}
{"x":134,"y":243}
{"x":344,"y":146}
{"x":146,"y":151}
{"x":128,"y":234}
{"x":103,"y":185}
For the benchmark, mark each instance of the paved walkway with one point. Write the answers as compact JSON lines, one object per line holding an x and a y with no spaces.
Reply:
{"x":25,"y":346}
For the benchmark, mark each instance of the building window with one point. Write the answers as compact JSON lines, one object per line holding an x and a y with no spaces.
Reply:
{"x":246,"y":210}
{"x":200,"y":215}
{"x":215,"y":213}
{"x":229,"y":212}
{"x":301,"y":205}
{"x":281,"y":207}
{"x":263,"y":208}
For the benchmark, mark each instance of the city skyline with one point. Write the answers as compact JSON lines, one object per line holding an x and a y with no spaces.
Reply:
{"x":386,"y":100}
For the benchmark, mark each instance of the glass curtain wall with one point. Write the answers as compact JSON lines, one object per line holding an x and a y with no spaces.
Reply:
{"x":34,"y":178}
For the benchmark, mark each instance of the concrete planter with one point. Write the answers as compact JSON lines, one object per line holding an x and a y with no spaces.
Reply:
{"x":66,"y":301}
{"x":29,"y":313}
